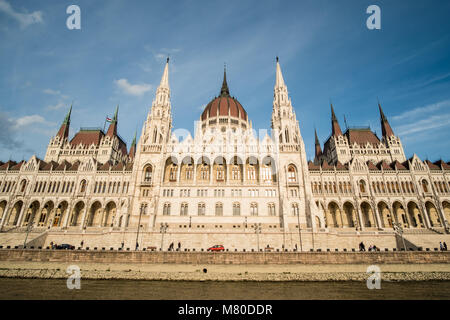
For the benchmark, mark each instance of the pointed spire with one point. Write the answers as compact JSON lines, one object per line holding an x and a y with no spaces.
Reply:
{"x":63,"y":132}
{"x":112,"y":130}
{"x":165,"y":77}
{"x":224,"y":91}
{"x":132,"y":152}
{"x":335,"y":128}
{"x":318,"y":152}
{"x":386,"y":129}
{"x":279,"y":76}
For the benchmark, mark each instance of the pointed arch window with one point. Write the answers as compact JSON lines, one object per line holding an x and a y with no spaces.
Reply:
{"x":254,"y":209}
{"x":236,"y":209}
{"x":219,"y":209}
{"x":201,"y":209}
{"x":184,"y":209}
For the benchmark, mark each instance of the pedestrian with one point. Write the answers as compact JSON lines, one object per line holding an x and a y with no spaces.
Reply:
{"x":51,"y":244}
{"x":441,"y":246}
{"x":137,"y":246}
{"x":295,"y":247}
{"x":81,"y":243}
{"x":445,"y":246}
{"x":179,"y":246}
{"x":122,"y":245}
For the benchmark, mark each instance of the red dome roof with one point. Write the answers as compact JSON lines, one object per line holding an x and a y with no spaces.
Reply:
{"x":224,"y":106}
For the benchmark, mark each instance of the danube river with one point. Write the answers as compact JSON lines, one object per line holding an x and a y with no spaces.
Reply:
{"x":210,"y":290}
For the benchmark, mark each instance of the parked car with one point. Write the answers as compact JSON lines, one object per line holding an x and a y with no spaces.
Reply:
{"x":217,"y":247}
{"x":65,"y":246}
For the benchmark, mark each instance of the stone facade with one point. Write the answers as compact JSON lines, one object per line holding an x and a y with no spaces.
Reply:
{"x":226,"y":184}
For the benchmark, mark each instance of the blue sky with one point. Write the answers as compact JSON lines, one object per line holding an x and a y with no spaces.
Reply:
{"x":326,"y":53}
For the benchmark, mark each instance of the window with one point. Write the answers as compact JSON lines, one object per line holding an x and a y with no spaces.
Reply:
{"x":219,"y":209}
{"x":189,"y":172}
{"x":295,"y":209}
{"x":271,"y":208}
{"x":148,"y":174}
{"x":251,"y":172}
{"x":292,"y":174}
{"x":173,"y":173}
{"x":201,"y":209}
{"x":362,"y":186}
{"x":425,"y":185}
{"x":220,"y":173}
{"x":235,"y":173}
{"x":83,"y":186}
{"x":254,"y":209}
{"x":166,"y":209}
{"x":236,"y":209}
{"x":204,"y":172}
{"x":184,"y":209}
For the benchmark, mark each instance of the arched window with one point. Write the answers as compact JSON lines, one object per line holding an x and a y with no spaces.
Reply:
{"x":235,"y":173}
{"x":204,"y":172}
{"x":219,"y":209}
{"x":236,"y":209}
{"x":189,"y":172}
{"x":251,"y":172}
{"x":271,"y":208}
{"x":23,"y":185}
{"x":254,"y":209}
{"x":201,"y":209}
{"x":184,"y":209}
{"x":173,"y":173}
{"x":425,"y":185}
{"x":166,"y":209}
{"x":148,"y":174}
{"x":292,"y":174}
{"x":295,"y":209}
{"x":220,"y":173}
{"x":362,"y":186}
{"x":83,"y":186}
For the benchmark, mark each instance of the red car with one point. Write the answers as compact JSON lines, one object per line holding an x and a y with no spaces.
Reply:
{"x":217,"y":247}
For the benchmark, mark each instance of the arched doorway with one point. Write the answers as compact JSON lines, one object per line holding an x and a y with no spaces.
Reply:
{"x":45,"y":214}
{"x":435,"y":221}
{"x":333,"y":217}
{"x":31,"y":213}
{"x":367,"y":215}
{"x":110,"y":214}
{"x":76,"y":217}
{"x":60,"y":212}
{"x":95,"y":215}
{"x":385,"y":215}
{"x":14,"y":213}
{"x":415,"y":218}
{"x":350,"y":216}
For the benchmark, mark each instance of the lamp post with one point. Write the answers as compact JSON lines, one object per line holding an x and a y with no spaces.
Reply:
{"x":398,"y":228}
{"x":257,"y":227}
{"x":163,"y":230}
{"x":138,"y":228}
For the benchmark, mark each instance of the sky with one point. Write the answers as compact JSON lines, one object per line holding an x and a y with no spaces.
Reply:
{"x":326,"y":53}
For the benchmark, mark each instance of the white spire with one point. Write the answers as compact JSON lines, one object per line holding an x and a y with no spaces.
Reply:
{"x":165,"y":77}
{"x":279,"y":77}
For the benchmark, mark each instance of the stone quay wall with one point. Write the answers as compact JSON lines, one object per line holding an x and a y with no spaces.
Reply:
{"x":243,"y":258}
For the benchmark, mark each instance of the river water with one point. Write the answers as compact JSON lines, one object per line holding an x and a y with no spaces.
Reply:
{"x":210,"y":290}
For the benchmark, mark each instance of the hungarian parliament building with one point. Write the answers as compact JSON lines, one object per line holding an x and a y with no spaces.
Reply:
{"x":226,"y":185}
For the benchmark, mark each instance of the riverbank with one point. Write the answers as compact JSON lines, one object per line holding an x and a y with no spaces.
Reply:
{"x":196,"y":272}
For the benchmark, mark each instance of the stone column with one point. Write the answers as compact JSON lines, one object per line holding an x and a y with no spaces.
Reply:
{"x":377,"y":217}
{"x":24,"y":207}
{"x":84,"y":214}
{"x":425,"y":215}
{"x":66,"y":217}
{"x":5,"y":214}
{"x":361,"y":223}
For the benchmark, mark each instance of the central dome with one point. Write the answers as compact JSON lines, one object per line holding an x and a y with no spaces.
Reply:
{"x":223,"y":107}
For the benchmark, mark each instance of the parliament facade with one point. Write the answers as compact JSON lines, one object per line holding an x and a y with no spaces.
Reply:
{"x":225,"y":185}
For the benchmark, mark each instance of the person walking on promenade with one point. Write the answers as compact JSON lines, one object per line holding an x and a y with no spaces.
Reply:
{"x":81,"y":244}
{"x":445,"y":246}
{"x":362,"y":247}
{"x":441,"y":246}
{"x":179,"y":246}
{"x":123,"y":244}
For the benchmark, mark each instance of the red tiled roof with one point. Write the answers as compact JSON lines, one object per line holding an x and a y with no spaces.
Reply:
{"x":312,"y":166}
{"x":74,"y":166}
{"x":87,"y":137}
{"x":383,"y":164}
{"x":7,"y":165}
{"x":362,"y":137}
{"x":64,"y":165}
{"x":223,"y":106}
{"x":397,"y":165}
{"x":17,"y":166}
{"x":326,"y":166}
{"x":129,"y":167}
{"x":371,"y":166}
{"x":118,"y":167}
{"x":442,"y":164}
{"x":340,"y":166}
{"x":431,"y":165}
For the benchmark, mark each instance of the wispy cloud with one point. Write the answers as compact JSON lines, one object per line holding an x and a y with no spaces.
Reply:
{"x":412,"y":114}
{"x":24,"y":19}
{"x":57,"y":106}
{"x":133,"y":89}
{"x":429,"y":123}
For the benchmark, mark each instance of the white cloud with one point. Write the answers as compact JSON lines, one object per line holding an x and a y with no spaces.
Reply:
{"x":420,"y":126}
{"x":422,"y":110}
{"x":133,"y":89}
{"x":24,"y":19}
{"x":30,"y":120}
{"x":52,"y":92}
{"x":57,"y":106}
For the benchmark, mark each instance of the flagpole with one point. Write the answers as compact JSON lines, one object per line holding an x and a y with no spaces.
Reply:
{"x":104,"y":126}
